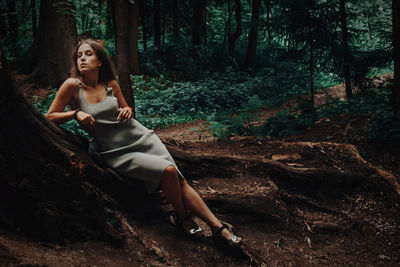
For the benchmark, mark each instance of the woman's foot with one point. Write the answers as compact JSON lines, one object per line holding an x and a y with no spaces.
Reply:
{"x":224,"y":238}
{"x":189,"y":226}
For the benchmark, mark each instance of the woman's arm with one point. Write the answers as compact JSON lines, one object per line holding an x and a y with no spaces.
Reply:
{"x":126,"y":112}
{"x":63,"y":98}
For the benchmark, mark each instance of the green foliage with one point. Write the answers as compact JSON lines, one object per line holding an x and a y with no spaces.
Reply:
{"x":284,"y":124}
{"x":385,"y":125}
{"x":43,"y":104}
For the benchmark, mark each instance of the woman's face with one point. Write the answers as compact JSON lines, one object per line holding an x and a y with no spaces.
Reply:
{"x":86,"y":59}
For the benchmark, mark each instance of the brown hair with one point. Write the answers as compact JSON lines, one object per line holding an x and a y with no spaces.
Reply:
{"x":106,"y":70}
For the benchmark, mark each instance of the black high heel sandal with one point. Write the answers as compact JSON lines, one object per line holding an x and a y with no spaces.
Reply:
{"x":193,"y":233}
{"x":221,"y":242}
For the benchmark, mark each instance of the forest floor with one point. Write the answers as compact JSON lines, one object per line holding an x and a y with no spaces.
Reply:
{"x":283,"y":222}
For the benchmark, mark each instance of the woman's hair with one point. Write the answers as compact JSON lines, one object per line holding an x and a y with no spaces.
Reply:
{"x":106,"y":70}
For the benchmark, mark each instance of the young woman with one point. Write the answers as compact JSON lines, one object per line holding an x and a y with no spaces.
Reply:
{"x":132,"y":150}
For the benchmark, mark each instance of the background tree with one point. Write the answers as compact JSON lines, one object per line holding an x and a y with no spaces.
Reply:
{"x":395,"y":98}
{"x":346,"y":60}
{"x":12,"y":19}
{"x":157,"y":23}
{"x":232,"y":37}
{"x":253,"y":35}
{"x":199,"y":24}
{"x":49,"y":59}
{"x":126,"y":32}
{"x":33,"y":15}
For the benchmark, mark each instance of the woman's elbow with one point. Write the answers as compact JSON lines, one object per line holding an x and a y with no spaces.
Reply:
{"x":49,"y":116}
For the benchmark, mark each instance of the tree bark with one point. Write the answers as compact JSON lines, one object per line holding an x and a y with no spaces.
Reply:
{"x":3,"y":22}
{"x":12,"y":19}
{"x":121,"y":22}
{"x":175,"y":20}
{"x":346,"y":59}
{"x":110,"y":22}
{"x":157,"y":23}
{"x":134,"y":37}
{"x":199,"y":24}
{"x":143,"y":21}
{"x":59,"y":192}
{"x":232,"y":38}
{"x":395,"y":97}
{"x":33,"y":12}
{"x":49,"y":59}
{"x":253,"y":35}
{"x":311,"y":74}
{"x":268,"y":11}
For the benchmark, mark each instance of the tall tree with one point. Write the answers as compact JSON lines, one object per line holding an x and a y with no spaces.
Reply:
{"x":143,"y":22}
{"x":395,"y":97}
{"x":110,"y":21}
{"x":232,"y":37}
{"x":253,"y":35}
{"x":199,"y":24}
{"x":49,"y":59}
{"x":175,"y":19}
{"x":157,"y":23}
{"x":12,"y":19}
{"x":3,"y":22}
{"x":33,"y":15}
{"x":126,"y":45}
{"x":268,"y":11}
{"x":345,"y":49}
{"x":133,"y":36}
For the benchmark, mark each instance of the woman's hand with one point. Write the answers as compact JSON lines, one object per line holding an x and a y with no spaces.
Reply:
{"x":125,"y":114}
{"x":85,"y":118}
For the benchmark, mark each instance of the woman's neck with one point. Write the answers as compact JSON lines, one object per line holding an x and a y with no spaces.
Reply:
{"x":90,"y":80}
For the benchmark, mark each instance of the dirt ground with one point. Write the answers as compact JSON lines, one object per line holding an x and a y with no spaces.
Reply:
{"x":283,"y":222}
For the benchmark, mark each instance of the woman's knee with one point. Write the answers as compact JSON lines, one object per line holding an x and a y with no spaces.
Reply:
{"x":170,"y":171}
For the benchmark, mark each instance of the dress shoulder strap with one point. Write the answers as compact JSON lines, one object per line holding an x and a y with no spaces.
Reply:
{"x":108,"y":88}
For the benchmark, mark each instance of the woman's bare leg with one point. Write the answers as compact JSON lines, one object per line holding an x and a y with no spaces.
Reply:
{"x":173,"y":191}
{"x":196,"y":205}
{"x":183,"y":197}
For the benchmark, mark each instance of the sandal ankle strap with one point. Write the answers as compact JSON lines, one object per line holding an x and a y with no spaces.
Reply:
{"x":219,"y":230}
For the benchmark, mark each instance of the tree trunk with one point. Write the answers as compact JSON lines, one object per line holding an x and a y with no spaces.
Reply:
{"x":110,"y":16}
{"x":311,"y":108}
{"x":199,"y":26}
{"x":143,"y":21}
{"x":268,"y":11}
{"x":175,"y":20}
{"x":234,"y":36}
{"x":49,"y":59}
{"x":164,"y":23}
{"x":57,"y":195}
{"x":346,"y":59}
{"x":121,"y":22}
{"x":33,"y":12}
{"x":3,"y":22}
{"x":12,"y":19}
{"x":253,"y":35}
{"x":395,"y":97}
{"x":133,"y":37}
{"x":157,"y":23}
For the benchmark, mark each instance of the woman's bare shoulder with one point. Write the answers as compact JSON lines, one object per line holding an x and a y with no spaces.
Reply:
{"x":72,"y":82}
{"x":113,"y":84}
{"x":70,"y":85}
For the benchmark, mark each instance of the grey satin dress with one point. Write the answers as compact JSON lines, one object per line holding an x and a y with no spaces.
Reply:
{"x":127,"y":147}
